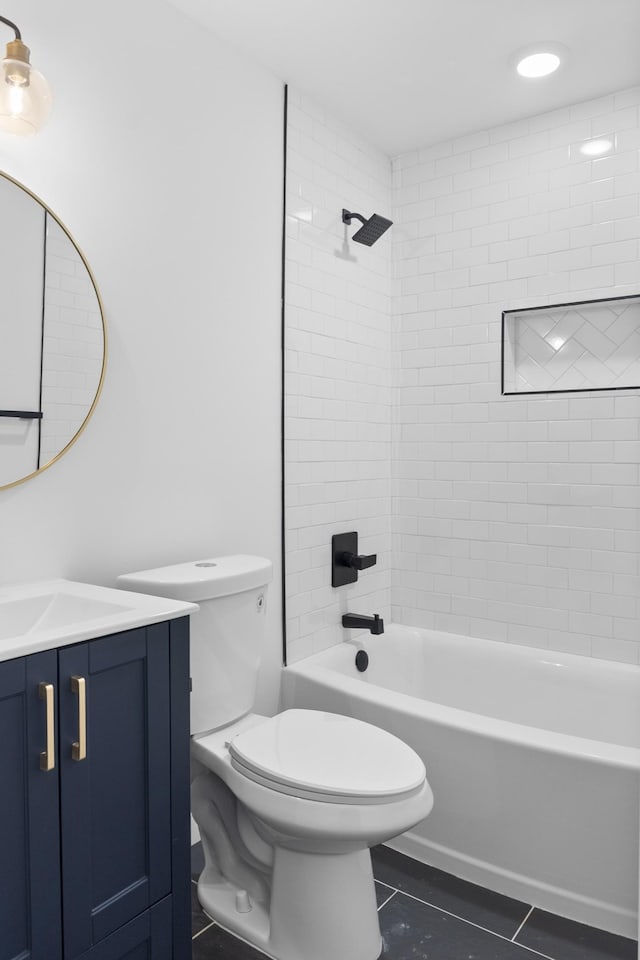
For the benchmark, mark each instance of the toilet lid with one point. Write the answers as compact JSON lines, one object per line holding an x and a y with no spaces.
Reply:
{"x":330,"y":755}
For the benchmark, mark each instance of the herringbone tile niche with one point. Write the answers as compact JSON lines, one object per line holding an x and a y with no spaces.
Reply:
{"x":584,"y":346}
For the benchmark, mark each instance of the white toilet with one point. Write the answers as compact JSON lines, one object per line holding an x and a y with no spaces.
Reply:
{"x":287,"y":806}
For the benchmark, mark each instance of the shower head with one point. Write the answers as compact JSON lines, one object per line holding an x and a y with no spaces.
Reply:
{"x":371,"y":229}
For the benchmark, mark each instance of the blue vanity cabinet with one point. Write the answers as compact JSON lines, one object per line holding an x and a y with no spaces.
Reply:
{"x":29,"y":830}
{"x":117,"y":806}
{"x":147,"y":937}
{"x":123,"y":699}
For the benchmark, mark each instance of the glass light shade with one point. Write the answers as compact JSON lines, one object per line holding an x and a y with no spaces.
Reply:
{"x":25,"y":98}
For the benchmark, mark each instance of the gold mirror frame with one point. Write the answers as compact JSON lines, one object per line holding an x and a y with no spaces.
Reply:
{"x":78,"y":433}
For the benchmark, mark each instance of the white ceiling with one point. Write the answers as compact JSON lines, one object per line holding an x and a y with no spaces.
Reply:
{"x":407,"y":73}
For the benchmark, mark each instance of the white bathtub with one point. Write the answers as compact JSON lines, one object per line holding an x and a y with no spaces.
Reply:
{"x":533,"y":758}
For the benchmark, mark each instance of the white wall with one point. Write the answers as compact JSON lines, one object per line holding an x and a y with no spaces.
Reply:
{"x":338,"y":348}
{"x":173,"y":193}
{"x":515,"y":518}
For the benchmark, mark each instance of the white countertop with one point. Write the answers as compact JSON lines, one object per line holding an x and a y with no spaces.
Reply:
{"x":54,"y":613}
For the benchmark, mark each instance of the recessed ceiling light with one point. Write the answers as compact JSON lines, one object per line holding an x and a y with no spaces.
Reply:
{"x":538,"y":64}
{"x":596,"y":148}
{"x":539,"y":59}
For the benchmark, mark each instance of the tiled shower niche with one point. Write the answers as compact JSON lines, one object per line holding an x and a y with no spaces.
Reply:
{"x":591,"y":345}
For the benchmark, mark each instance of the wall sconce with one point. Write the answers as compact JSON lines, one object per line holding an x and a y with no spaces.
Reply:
{"x":25,"y":97}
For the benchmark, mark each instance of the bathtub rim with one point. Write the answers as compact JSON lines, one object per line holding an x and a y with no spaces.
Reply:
{"x":505,"y":731}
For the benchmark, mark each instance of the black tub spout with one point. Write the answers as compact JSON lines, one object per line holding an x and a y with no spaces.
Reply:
{"x":354,"y":621}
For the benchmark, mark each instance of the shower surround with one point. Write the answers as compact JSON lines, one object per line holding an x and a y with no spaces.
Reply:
{"x":507,"y":518}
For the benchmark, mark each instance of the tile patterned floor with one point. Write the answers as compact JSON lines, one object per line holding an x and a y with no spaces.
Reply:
{"x":426,"y":914}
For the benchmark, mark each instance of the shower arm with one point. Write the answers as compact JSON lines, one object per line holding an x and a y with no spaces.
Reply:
{"x":347,"y":217}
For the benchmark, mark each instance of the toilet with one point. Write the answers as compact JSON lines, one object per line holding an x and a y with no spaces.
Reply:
{"x":287,"y":806}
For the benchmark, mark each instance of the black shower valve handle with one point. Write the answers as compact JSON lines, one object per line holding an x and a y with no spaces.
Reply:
{"x":359,"y":562}
{"x":346,"y":562}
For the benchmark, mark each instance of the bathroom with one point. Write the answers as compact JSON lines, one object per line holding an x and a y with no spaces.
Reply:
{"x":176,"y":200}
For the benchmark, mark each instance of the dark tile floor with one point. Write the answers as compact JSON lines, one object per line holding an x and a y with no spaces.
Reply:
{"x":426,"y":914}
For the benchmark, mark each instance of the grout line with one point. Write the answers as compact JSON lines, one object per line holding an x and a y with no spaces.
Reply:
{"x":390,"y":897}
{"x":522,"y":924}
{"x":476,"y":925}
{"x":204,"y":930}
{"x":381,"y":883}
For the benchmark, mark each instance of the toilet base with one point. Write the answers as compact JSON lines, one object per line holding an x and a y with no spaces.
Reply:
{"x":323,"y":907}
{"x":218,"y":899}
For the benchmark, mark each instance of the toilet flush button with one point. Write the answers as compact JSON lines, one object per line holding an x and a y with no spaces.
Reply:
{"x":206,"y":563}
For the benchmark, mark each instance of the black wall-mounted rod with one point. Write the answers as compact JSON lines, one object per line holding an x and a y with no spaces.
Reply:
{"x":22,"y":414}
{"x":11,"y":24}
{"x":283,"y":385}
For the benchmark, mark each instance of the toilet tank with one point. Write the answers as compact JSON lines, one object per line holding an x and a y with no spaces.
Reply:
{"x":227,"y":632}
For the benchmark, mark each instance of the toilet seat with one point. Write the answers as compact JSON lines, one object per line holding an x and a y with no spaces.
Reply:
{"x":327,"y":757}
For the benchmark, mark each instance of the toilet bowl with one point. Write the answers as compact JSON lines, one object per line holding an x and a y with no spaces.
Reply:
{"x":287,"y":806}
{"x":319,"y":789}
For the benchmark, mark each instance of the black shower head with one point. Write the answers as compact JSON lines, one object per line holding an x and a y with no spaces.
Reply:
{"x":371,"y":229}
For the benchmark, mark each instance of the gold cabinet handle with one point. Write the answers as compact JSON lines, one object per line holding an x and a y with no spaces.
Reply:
{"x":79,"y":748}
{"x":48,"y":756}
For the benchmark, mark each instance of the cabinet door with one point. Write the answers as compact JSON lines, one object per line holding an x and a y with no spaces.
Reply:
{"x":115,"y":782}
{"x":29,"y":849}
{"x":148,"y":937}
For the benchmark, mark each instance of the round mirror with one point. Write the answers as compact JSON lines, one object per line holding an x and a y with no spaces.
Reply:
{"x":52,"y":336}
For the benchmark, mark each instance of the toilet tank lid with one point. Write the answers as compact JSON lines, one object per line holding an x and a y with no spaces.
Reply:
{"x":201,"y":579}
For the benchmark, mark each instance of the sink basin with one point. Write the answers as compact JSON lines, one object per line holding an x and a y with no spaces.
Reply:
{"x":39,"y":616}
{"x":49,"y":611}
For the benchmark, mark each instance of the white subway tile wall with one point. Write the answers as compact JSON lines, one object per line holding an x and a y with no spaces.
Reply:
{"x":72,"y":346}
{"x":512,"y":518}
{"x":515,"y":518}
{"x":338,"y":376}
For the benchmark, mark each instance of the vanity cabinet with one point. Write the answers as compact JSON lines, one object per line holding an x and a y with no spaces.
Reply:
{"x":94,"y":799}
{"x":30,"y":922}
